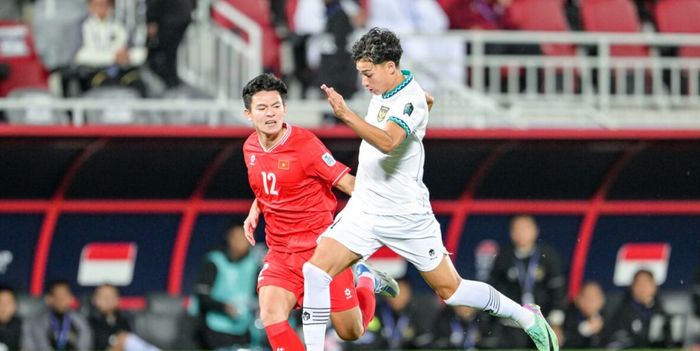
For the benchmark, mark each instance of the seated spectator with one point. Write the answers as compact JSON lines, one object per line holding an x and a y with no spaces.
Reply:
{"x":10,"y":323}
{"x":105,"y":52}
{"x":641,"y":321}
{"x":459,"y":327}
{"x":111,"y":329}
{"x":59,"y":328}
{"x":225,"y":292}
{"x":584,"y":325}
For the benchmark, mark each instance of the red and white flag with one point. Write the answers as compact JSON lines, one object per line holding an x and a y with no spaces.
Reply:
{"x":107,"y":262}
{"x":635,"y":256}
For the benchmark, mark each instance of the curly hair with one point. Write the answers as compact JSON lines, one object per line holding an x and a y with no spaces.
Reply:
{"x":263,"y":82}
{"x":379,"y":45}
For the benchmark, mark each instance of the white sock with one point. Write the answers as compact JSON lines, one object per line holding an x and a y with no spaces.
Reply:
{"x":317,"y":306}
{"x":484,"y":297}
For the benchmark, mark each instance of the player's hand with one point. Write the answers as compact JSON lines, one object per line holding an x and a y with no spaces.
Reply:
{"x":430,"y":100}
{"x":249,"y":225}
{"x":337,"y":102}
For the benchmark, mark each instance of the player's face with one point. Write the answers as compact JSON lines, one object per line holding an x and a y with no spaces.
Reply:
{"x":267,"y":111}
{"x":376,"y":78}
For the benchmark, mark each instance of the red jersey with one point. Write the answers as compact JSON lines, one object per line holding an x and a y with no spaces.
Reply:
{"x":292,"y":182}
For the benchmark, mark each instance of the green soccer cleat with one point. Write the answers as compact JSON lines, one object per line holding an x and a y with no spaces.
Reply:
{"x":541,"y":333}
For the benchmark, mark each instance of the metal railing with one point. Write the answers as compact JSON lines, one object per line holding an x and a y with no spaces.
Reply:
{"x":588,"y":88}
{"x":218,"y":61}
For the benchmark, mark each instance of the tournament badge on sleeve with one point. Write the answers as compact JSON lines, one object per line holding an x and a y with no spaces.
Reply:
{"x":408,"y":109}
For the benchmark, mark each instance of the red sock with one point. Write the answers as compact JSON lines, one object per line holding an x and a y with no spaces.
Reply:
{"x":366,"y":299}
{"x":282,"y":337}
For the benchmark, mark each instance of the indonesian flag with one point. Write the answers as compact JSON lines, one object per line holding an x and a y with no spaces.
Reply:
{"x":635,"y":256}
{"x":388,"y":261}
{"x":107,"y":262}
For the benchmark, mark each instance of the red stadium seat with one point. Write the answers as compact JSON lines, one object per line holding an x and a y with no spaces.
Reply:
{"x":679,"y":16}
{"x":26,"y":70}
{"x":541,"y":15}
{"x":258,"y":11}
{"x":618,"y":16}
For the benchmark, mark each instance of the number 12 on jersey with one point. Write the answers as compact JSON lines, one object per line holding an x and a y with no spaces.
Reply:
{"x":271,"y":188}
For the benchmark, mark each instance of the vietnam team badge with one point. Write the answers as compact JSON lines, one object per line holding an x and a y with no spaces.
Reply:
{"x":382,"y":113}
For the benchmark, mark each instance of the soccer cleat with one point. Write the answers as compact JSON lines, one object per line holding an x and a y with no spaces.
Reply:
{"x":383,"y":284}
{"x":541,"y":333}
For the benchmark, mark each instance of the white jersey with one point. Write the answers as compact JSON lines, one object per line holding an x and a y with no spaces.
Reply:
{"x":392,"y":184}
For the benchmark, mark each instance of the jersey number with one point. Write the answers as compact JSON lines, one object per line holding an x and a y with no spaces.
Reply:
{"x":270,"y":178}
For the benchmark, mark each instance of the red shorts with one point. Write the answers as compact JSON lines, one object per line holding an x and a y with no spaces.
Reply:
{"x":284,"y":270}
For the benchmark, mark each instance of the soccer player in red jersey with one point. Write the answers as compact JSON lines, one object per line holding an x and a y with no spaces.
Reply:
{"x":292,"y":174}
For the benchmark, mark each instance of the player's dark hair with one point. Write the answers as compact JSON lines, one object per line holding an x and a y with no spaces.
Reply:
{"x":263,"y":82}
{"x":57,"y":283}
{"x":7,"y":289}
{"x":379,"y":45}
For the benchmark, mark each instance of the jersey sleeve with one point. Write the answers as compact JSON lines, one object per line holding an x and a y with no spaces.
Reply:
{"x":319,"y":162}
{"x":408,"y":112}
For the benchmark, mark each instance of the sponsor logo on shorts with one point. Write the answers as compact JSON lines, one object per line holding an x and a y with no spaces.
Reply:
{"x":264,"y":267}
{"x":431,"y":253}
{"x":348,"y":294}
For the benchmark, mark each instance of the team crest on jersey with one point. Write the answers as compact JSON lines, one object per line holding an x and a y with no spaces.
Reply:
{"x":382,"y":113}
{"x":408,"y":109}
{"x":328,"y":159}
{"x":283,"y":164}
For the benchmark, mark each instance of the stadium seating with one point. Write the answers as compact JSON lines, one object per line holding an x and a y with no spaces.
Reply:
{"x":258,"y":11}
{"x":617,"y":16}
{"x":164,"y":323}
{"x":116,"y":114}
{"x":541,"y":15}
{"x":679,"y":16}
{"x":18,"y":53}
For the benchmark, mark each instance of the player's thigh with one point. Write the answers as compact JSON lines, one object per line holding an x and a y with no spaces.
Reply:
{"x":275,"y":304}
{"x":415,"y":237}
{"x":444,"y":279}
{"x":345,"y":311}
{"x":348,"y":239}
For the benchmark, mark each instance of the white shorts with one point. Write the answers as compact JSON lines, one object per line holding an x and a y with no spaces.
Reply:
{"x":415,"y":237}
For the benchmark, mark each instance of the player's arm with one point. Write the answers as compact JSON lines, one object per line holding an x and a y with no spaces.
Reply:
{"x":251,"y":222}
{"x":385,"y":140}
{"x":346,"y":184}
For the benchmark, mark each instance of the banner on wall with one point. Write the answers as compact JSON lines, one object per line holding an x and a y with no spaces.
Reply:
{"x":632,"y":257}
{"x":107,"y":262}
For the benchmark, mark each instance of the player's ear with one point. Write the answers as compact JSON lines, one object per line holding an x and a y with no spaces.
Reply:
{"x":246,"y":113}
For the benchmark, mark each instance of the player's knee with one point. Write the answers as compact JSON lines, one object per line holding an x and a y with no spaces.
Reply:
{"x":271,"y":315}
{"x":445,"y":291}
{"x":350,"y":333}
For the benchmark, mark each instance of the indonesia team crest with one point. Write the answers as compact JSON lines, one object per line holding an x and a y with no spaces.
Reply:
{"x":382,"y":113}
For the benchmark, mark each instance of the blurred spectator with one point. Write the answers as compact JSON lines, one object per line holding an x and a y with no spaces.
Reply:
{"x":10,"y":323}
{"x":167,"y":23}
{"x":407,"y":18}
{"x":105,"y":51}
{"x":225,"y":292}
{"x":641,"y":321}
{"x":59,"y":328}
{"x":396,"y":324}
{"x":459,"y":327}
{"x":584,"y":325}
{"x":530,"y":272}
{"x":694,"y":340}
{"x":111,"y":328}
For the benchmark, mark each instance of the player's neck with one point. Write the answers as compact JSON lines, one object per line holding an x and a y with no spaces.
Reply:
{"x":267,"y":141}
{"x":398,"y":79}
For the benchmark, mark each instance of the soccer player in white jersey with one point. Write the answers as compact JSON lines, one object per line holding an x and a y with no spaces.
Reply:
{"x":390,"y":204}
